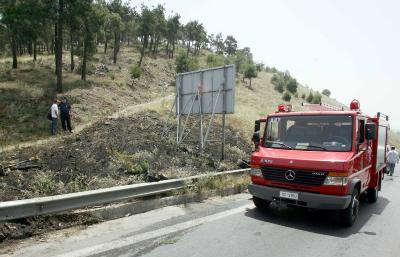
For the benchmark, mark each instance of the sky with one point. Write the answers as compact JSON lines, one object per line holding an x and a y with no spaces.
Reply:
{"x":348,"y":47}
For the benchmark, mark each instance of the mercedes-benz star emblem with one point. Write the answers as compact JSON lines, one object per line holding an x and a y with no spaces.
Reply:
{"x":290,"y":175}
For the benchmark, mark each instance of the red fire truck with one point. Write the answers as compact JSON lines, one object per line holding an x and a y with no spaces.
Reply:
{"x":321,"y":159}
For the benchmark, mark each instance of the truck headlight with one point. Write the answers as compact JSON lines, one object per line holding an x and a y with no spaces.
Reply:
{"x":336,"y":181}
{"x":256,"y":172}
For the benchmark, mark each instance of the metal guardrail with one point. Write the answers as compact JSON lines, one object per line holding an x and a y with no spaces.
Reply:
{"x":59,"y":203}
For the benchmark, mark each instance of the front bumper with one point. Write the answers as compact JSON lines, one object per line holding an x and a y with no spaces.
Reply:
{"x":309,"y":200}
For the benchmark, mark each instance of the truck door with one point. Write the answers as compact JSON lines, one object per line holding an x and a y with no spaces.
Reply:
{"x":364,"y":158}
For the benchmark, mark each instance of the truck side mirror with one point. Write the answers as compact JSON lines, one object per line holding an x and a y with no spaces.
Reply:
{"x":256,"y":139}
{"x":256,"y":135}
{"x":370,"y":131}
{"x":257,"y":125}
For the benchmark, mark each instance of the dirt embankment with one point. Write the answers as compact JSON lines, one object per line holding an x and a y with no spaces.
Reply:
{"x":114,"y":152}
{"x":24,"y":228}
{"x":119,"y":151}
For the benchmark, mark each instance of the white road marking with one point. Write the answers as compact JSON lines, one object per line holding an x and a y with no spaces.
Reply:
{"x":97,"y":249}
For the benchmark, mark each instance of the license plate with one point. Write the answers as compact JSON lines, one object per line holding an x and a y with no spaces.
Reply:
{"x":289,"y":195}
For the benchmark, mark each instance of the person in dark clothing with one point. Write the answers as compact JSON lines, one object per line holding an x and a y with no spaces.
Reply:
{"x":65,"y":113}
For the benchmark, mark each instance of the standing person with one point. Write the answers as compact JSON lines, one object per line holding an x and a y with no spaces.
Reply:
{"x":65,"y":111}
{"x":392,"y":159}
{"x":54,"y":116}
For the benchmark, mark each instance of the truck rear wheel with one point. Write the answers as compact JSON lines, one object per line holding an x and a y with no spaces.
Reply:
{"x":261,"y":203}
{"x":349,"y":215}
{"x":372,"y":195}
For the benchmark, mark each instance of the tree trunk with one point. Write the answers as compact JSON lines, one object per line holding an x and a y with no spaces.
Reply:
{"x":167,"y":48}
{"x":20,"y":50}
{"x":14,"y":51}
{"x":34,"y":50}
{"x":47,"y":46}
{"x":72,"y":50}
{"x":188,"y":48}
{"x":59,"y":45}
{"x":151,"y":43}
{"x":30,"y":48}
{"x":116,"y":47}
{"x":173,"y":48}
{"x":142,"y":52}
{"x":84,"y":60}
{"x":155,"y":48}
{"x":54,"y":48}
{"x":250,"y":82}
{"x":105,"y":46}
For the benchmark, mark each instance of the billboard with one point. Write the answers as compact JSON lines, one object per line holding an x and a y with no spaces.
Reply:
{"x":209,"y":91}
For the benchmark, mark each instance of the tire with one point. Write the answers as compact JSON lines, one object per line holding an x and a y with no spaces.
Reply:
{"x":349,"y":215}
{"x":372,"y":195}
{"x":261,"y":203}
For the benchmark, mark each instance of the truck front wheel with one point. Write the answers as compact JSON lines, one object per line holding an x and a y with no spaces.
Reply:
{"x":261,"y":203}
{"x":349,"y":215}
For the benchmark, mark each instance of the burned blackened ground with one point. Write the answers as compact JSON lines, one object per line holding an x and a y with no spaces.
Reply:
{"x":114,"y":152}
{"x":23,"y":228}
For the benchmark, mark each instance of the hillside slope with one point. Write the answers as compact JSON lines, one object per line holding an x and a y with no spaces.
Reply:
{"x":116,"y":147}
{"x":26,"y":93}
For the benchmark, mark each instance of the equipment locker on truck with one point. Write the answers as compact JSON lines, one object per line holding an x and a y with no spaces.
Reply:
{"x":322,"y":159}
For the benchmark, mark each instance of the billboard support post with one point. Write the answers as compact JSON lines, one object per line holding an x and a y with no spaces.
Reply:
{"x":223,"y":116}
{"x":201,"y":110}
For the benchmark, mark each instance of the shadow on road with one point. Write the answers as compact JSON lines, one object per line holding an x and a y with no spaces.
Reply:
{"x":319,"y":221}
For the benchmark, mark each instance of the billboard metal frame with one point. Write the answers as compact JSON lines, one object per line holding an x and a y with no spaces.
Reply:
{"x":195,"y":96}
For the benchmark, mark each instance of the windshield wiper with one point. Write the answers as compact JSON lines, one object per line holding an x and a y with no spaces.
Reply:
{"x":279,"y":143}
{"x":317,"y":146}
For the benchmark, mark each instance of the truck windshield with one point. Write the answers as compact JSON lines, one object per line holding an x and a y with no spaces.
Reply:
{"x":312,"y":133}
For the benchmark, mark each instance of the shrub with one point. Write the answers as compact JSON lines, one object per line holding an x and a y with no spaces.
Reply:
{"x":291,"y":85}
{"x":280,"y":87}
{"x":135,"y":71}
{"x":250,"y":72}
{"x":214,"y":60}
{"x":296,"y":95}
{"x":185,"y":64}
{"x":326,"y":92}
{"x":279,"y":83}
{"x":112,"y":76}
{"x":310,"y":97}
{"x":317,"y":98}
{"x":303,"y":96}
{"x":260,"y":67}
{"x":275,"y":79}
{"x":44,"y":183}
{"x":286,"y":96}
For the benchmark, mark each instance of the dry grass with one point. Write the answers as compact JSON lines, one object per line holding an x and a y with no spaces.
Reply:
{"x":218,"y":183}
{"x":26,"y":93}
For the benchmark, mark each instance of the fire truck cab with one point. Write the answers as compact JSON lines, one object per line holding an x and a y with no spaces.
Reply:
{"x":322,"y":159}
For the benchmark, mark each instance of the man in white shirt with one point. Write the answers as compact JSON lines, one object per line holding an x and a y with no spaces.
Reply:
{"x":392,"y":159}
{"x":54,"y":117}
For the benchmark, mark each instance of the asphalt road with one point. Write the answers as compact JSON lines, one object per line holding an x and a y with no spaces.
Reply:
{"x":231,"y":226}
